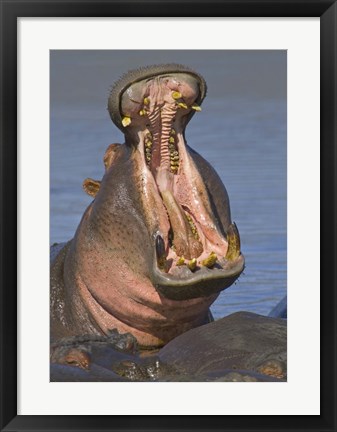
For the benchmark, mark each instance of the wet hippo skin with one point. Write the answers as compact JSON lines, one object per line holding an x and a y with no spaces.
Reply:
{"x":241,"y":341}
{"x":157,"y":244}
{"x":240,"y":347}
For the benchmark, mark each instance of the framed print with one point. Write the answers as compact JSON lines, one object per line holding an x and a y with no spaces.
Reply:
{"x":271,"y":75}
{"x":267,"y":99}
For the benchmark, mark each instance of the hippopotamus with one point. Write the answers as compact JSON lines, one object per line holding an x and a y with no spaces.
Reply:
{"x":157,"y":244}
{"x":240,"y":347}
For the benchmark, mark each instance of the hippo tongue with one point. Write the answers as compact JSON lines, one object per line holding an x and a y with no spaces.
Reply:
{"x":185,"y":243}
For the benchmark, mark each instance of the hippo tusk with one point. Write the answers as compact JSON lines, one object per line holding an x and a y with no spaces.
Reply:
{"x":233,"y":238}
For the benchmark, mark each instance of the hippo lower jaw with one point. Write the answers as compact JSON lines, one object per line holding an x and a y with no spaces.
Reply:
{"x":203,"y":283}
{"x":194,"y":255}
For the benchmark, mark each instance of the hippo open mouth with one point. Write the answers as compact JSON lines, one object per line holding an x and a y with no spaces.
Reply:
{"x":196,"y":246}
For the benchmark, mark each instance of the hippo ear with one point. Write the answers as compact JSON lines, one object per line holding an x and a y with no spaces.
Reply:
{"x":110,"y":154}
{"x":91,"y":186}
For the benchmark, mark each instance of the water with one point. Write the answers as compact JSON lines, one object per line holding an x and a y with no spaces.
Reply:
{"x":241,"y":131}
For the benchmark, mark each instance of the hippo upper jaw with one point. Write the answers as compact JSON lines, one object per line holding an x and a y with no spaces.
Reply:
{"x":197,"y":252}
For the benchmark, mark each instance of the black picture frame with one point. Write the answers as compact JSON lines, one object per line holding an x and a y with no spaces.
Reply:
{"x":10,"y":10}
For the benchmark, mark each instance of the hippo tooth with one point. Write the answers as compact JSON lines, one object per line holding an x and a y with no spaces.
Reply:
{"x":233,"y":239}
{"x":142,"y":112}
{"x":210,"y":260}
{"x":160,"y":252}
{"x":192,"y":264}
{"x":146,"y":101}
{"x":176,"y":95}
{"x":182,"y":105}
{"x":196,"y":107}
{"x":192,"y":226}
{"x":181,"y":261}
{"x":126,"y":121}
{"x":171,"y":140}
